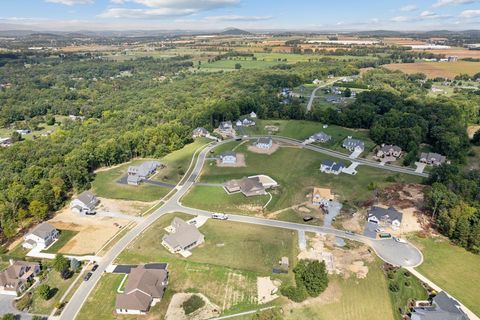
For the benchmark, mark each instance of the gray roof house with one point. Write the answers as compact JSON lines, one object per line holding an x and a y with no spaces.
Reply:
{"x":41,"y":236}
{"x":432,"y":158}
{"x":228,"y":157}
{"x":329,"y":166}
{"x":248,"y":186}
{"x":183,"y":237}
{"x":200,"y":132}
{"x":388,"y":150}
{"x":144,"y":288}
{"x":264,"y":143}
{"x":384,"y":216}
{"x":443,"y":307}
{"x":225,"y":126}
{"x":137,"y":174}
{"x":84,"y":202}
{"x":321,"y":137}
{"x":15,"y":278}
{"x":352,"y":144}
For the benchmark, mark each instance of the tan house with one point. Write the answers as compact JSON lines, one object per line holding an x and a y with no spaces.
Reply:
{"x":251,"y":186}
{"x":144,"y":288}
{"x":388,"y":150}
{"x":322,"y":197}
{"x":17,"y":277}
{"x":183,"y":236}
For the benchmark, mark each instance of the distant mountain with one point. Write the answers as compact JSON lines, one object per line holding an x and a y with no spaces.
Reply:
{"x":234,"y":32}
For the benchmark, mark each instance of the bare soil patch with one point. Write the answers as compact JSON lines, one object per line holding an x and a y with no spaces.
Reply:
{"x":254,"y":149}
{"x":240,"y":162}
{"x":354,"y":222}
{"x":175,"y":310}
{"x":93,"y":232}
{"x":124,"y":206}
{"x":267,"y":289}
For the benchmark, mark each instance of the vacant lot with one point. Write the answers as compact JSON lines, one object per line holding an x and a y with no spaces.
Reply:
{"x":351,"y":298}
{"x":414,"y":290}
{"x":459,"y":52}
{"x":296,"y":170}
{"x":452,"y":268}
{"x":65,"y":236}
{"x":437,"y":69}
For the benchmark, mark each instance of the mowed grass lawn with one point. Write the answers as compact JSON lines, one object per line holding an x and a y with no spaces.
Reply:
{"x":224,"y":268}
{"x":296,"y":170}
{"x":105,"y":183}
{"x":64,"y":237}
{"x":353,"y":299}
{"x":452,"y":268}
{"x":301,"y":130}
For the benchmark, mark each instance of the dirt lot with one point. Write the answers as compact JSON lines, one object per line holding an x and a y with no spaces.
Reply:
{"x":437,"y":69}
{"x":267,"y":289}
{"x":254,"y":149}
{"x":240,"y":162}
{"x":93,"y":232}
{"x":124,"y":206}
{"x":175,"y":310}
{"x":338,"y":261}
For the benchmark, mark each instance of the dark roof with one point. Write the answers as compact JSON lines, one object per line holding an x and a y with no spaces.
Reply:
{"x":443,"y":308}
{"x":338,"y":166}
{"x":328,"y":163}
{"x":88,"y":199}
{"x":382,"y":213}
{"x":228,"y":153}
{"x":43,"y":230}
{"x":264,"y":140}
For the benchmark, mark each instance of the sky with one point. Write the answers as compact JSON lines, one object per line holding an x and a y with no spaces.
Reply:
{"x":313,"y":15}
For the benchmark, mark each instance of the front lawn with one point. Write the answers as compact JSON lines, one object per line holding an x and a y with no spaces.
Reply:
{"x":452,"y":268}
{"x":64,"y":237}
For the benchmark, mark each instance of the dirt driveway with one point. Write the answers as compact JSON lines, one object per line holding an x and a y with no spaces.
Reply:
{"x":93,"y":232}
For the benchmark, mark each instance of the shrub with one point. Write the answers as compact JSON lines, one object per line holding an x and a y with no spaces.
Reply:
{"x":393,"y":287}
{"x":391,"y":275}
{"x":193,"y":304}
{"x":44,"y":291}
{"x":297,"y":294}
{"x":24,"y":303}
{"x":8,"y":316}
{"x":312,"y":275}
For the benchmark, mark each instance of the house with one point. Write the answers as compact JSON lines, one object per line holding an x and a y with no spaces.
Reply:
{"x":321,"y":137}
{"x":253,"y":115}
{"x":41,"y":236}
{"x":386,"y":217}
{"x":322,"y":197}
{"x":228,"y":157}
{"x":183,"y":236}
{"x":432,"y":158}
{"x":225,"y":126}
{"x":329,"y":166}
{"x":23,"y":131}
{"x":17,"y":277}
{"x":251,"y":186}
{"x":136,"y":174}
{"x":199,"y":132}
{"x":353,"y":144}
{"x":264,"y":143}
{"x":317,"y":82}
{"x":248,"y":122}
{"x":388,"y":150}
{"x":144,"y":288}
{"x":85,"y":202}
{"x":5,"y":142}
{"x":442,"y":307}
{"x":284,"y":263}
{"x":239,"y":123}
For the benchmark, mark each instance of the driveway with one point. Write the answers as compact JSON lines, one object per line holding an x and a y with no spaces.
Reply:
{"x":351,"y":169}
{"x":6,"y":306}
{"x":420,"y":167}
{"x":333,"y":210}
{"x":126,"y":268}
{"x":355,"y":154}
{"x":369,"y":230}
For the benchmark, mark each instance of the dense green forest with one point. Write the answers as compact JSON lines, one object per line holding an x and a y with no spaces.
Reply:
{"x":148,"y":107}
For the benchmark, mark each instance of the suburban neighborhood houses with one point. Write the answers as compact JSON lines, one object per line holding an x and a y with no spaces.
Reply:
{"x":137,"y":174}
{"x":389,"y":151}
{"x":385,"y":217}
{"x":442,"y":307}
{"x":228,"y":157}
{"x":320,"y":137}
{"x":329,"y":166}
{"x":85,"y":203}
{"x":432,"y":158}
{"x":353,"y":144}
{"x":251,"y":186}
{"x":144,"y":289}
{"x":182,"y":237}
{"x":40,"y":237}
{"x":17,"y":277}
{"x":264,"y":143}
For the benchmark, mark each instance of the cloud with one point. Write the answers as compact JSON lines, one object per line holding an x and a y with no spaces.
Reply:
{"x":443,"y":3}
{"x":409,"y":8}
{"x":432,"y":15}
{"x":470,"y":14}
{"x":71,"y":2}
{"x":155,"y":9}
{"x":237,"y":18}
{"x":401,"y":19}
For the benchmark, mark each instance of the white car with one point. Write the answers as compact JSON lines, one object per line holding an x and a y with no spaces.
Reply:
{"x":399,"y":240}
{"x":219,"y":216}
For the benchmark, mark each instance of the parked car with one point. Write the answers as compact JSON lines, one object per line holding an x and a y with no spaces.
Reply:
{"x":307,"y":218}
{"x":91,"y":213}
{"x":87,"y":276}
{"x":350,"y":232}
{"x":219,"y":216}
{"x":95,"y":266}
{"x":379,"y":230}
{"x":399,"y":240}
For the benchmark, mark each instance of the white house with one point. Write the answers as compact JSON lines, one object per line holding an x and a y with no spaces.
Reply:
{"x":40,"y":237}
{"x":253,"y":115}
{"x":333,"y":167}
{"x":353,"y":144}
{"x":264,"y":143}
{"x":228,"y":157}
{"x":239,"y":123}
{"x":85,"y":202}
{"x":385,"y":217}
{"x":248,"y":123}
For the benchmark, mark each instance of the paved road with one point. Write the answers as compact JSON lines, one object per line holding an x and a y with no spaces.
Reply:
{"x":312,"y":96}
{"x":388,"y":250}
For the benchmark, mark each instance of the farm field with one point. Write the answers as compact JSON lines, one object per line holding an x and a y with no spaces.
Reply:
{"x":224,"y":268}
{"x":437,"y":69}
{"x":294,"y":184}
{"x":456,"y":51}
{"x":452,"y":268}
{"x":351,"y":299}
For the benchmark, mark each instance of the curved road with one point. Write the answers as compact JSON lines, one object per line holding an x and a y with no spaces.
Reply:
{"x":389,"y":250}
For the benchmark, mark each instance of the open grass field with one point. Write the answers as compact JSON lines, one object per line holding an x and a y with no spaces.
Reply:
{"x":437,"y":69}
{"x":301,"y":130}
{"x":105,"y":184}
{"x":297,"y":171}
{"x":59,"y":286}
{"x":224,"y":268}
{"x":65,"y":236}
{"x":352,"y":299}
{"x":452,"y":268}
